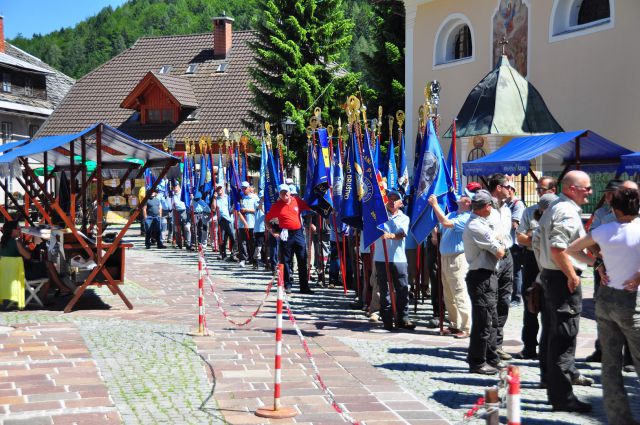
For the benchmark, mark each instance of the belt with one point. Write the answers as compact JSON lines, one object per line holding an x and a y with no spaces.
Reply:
{"x":578,"y":271}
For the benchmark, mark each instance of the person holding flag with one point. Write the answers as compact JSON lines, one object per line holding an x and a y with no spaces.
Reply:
{"x":249,"y":205}
{"x":222,"y":206}
{"x":392,"y":243}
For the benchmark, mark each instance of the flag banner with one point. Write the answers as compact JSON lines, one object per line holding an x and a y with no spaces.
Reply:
{"x":202,"y":176}
{"x":392,"y":171}
{"x":264,"y":157}
{"x":374,"y":211}
{"x":234,"y":185}
{"x":452,"y":162}
{"x":277,"y":157}
{"x":220,"y":169}
{"x":210,"y":187}
{"x":375,"y":149}
{"x":308,"y":183}
{"x":323,"y":203}
{"x":243,"y":160}
{"x":432,"y":178}
{"x":148,"y":178}
{"x":271,"y":180}
{"x":185,"y":189}
{"x":403,"y":178}
{"x":416,"y":154}
{"x":337,"y":180}
{"x":352,"y":189}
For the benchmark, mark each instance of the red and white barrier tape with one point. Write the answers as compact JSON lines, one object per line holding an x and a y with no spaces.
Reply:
{"x":316,"y":372}
{"x":219,"y":300}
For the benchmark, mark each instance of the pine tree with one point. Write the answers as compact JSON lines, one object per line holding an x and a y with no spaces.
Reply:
{"x":386,"y":64}
{"x":299,"y":66}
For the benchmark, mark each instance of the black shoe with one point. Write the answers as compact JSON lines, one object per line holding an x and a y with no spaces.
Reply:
{"x":523,"y":355}
{"x":148,"y":246}
{"x":388,"y":327}
{"x":484,"y":370}
{"x":573,"y":406}
{"x":407,"y":324}
{"x":595,"y":357}
{"x":306,"y":291}
{"x":162,"y":247}
{"x":503,"y":354}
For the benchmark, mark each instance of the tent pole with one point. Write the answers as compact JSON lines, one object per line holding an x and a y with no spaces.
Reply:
{"x":37,"y":204}
{"x":578,"y":152}
{"x":99,"y":191}
{"x":83,"y":178}
{"x":15,"y":202}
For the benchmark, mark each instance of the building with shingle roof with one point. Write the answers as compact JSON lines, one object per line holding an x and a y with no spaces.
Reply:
{"x":184,"y":86}
{"x":30,"y":90}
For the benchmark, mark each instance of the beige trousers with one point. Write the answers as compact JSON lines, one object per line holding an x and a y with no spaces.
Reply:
{"x":456,"y":296}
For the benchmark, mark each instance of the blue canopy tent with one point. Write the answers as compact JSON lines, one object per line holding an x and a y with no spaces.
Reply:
{"x":630,"y":164}
{"x":581,"y":149}
{"x":109,"y":148}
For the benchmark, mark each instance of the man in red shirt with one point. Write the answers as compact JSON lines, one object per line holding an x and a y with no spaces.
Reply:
{"x":286,"y":226}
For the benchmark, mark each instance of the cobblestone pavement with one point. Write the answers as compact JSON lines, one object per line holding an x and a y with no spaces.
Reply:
{"x":155,"y":373}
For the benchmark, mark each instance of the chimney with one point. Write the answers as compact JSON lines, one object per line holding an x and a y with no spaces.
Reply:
{"x":222,"y":36}
{"x":1,"y":34}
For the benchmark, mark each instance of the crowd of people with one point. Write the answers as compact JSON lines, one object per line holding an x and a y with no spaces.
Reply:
{"x":492,"y":254}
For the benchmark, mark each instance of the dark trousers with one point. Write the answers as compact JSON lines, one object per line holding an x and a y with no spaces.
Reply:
{"x":505,"y":288}
{"x":295,"y":245}
{"x":562,"y":316}
{"x":625,"y":347}
{"x":432,"y":268}
{"x":258,"y":241}
{"x":273,"y":251}
{"x":152,"y":230}
{"x":182,"y":229}
{"x":530,"y":326}
{"x":400,"y":279}
{"x":334,"y":264}
{"x":517,"y":254}
{"x":228,"y":234}
{"x":482,"y":285}
{"x":245,"y":243}
{"x":202,"y":226}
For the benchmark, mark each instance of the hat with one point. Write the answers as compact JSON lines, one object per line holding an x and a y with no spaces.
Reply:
{"x":510,"y":184}
{"x":473,"y":187}
{"x":613,"y":185}
{"x":394,"y":193}
{"x":245,"y":185}
{"x":293,"y":189}
{"x":481,"y":198}
{"x":546,"y":200}
{"x":289,"y":180}
{"x":198,"y":195}
{"x":283,"y":188}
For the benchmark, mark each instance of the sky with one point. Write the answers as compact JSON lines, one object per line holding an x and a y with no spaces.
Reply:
{"x":44,"y":16}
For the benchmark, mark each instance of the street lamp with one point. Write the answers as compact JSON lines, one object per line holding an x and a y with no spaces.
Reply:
{"x":287,"y":127}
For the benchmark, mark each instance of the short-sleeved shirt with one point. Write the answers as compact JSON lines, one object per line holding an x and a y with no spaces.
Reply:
{"x":517,"y":209}
{"x":602,"y":215}
{"x":395,"y":247}
{"x":451,"y":240}
{"x":616,"y":238}
{"x":500,"y":219}
{"x":560,"y":225}
{"x":259,"y":223}
{"x":250,"y":202}
{"x":288,"y":215}
{"x":10,"y":249}
{"x":153,"y":207}
{"x":528,"y":222}
{"x":177,"y":203}
{"x":480,"y":243}
{"x":223,"y":207}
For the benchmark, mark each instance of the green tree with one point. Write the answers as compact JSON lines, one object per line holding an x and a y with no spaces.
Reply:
{"x":299,"y":63}
{"x":385,"y":63}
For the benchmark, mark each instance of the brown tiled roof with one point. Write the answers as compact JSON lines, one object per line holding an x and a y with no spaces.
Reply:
{"x":223,"y":98}
{"x":180,"y":88}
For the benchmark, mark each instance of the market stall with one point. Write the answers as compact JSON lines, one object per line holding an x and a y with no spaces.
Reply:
{"x":69,"y":156}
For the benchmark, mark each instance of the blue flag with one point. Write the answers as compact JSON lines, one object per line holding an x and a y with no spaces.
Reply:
{"x":311,"y":166}
{"x":452,"y":163}
{"x":337,"y":179}
{"x":202,"y":177}
{"x":271,"y":181}
{"x":403,"y":178}
{"x":374,"y":212}
{"x":185,"y":189}
{"x":234,"y":185}
{"x":432,"y":178}
{"x":322,"y":202}
{"x":418,"y":150}
{"x":220,"y":175}
{"x":352,"y":189}
{"x":264,"y":157}
{"x":392,"y":171}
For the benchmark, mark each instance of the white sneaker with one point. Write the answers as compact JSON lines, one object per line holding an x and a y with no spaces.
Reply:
{"x":374,"y":317}
{"x":241,"y":263}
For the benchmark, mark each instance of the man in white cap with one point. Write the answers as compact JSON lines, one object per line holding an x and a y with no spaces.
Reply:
{"x":249,"y":205}
{"x":285,"y":223}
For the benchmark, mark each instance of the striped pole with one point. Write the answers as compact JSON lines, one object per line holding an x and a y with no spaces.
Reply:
{"x":202,"y":324}
{"x":513,"y":397}
{"x":278,"y":412}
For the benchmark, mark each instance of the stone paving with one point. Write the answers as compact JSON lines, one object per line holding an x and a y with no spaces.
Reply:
{"x":107,"y":364}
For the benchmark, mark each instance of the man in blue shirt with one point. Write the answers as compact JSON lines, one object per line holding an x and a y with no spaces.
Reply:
{"x":454,"y":265}
{"x":258,"y":233}
{"x":226,"y":222}
{"x":394,"y":233}
{"x":249,"y":205}
{"x":181,"y":223}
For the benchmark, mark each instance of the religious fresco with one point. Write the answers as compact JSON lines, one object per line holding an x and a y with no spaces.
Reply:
{"x":512,"y":22}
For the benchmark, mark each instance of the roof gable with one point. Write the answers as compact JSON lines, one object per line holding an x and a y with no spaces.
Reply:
{"x":178,"y":90}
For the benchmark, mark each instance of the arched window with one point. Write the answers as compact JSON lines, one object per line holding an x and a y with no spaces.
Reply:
{"x":462,"y":43}
{"x":593,"y":10}
{"x":454,"y":41}
{"x":571,"y":18}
